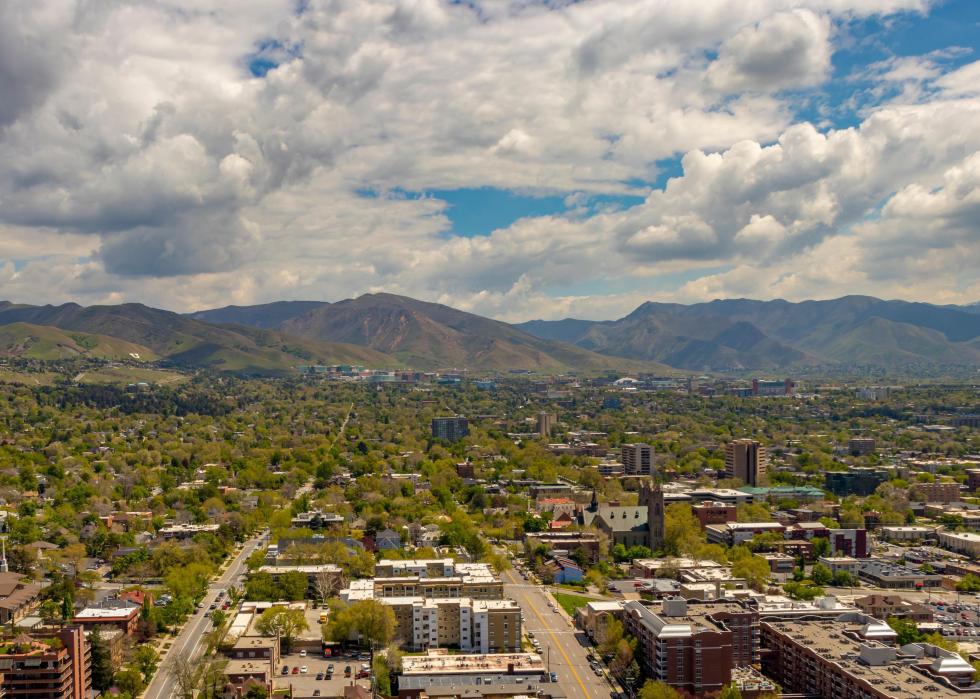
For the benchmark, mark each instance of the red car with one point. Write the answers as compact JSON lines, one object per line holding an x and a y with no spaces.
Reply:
{"x":295,"y":669}
{"x":362,"y":674}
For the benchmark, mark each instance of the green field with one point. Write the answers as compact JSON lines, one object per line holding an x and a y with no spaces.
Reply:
{"x":571,"y":603}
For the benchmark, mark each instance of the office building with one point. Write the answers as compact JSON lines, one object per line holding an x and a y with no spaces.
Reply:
{"x":450,"y":429}
{"x":746,"y":460}
{"x":762,"y":387}
{"x":966,"y":543}
{"x":714,"y":513}
{"x":637,"y":459}
{"x":855,"y":481}
{"x":859,"y":446}
{"x":438,"y":674}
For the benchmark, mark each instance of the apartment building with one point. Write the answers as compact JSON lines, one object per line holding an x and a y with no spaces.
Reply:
{"x":966,"y":543}
{"x":714,"y":512}
{"x":854,"y":657}
{"x":450,"y":429}
{"x":442,"y":674}
{"x":935,"y":492}
{"x":859,"y":446}
{"x":734,"y":533}
{"x":693,"y":646}
{"x":746,"y":460}
{"x":434,"y":578}
{"x":637,"y":459}
{"x":318,"y":577}
{"x":546,"y":424}
{"x":51,"y":666}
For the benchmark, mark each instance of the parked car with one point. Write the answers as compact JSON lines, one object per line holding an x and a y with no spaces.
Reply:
{"x":362,"y":674}
{"x":347,"y":671}
{"x":285,"y":669}
{"x":319,"y":675}
{"x":295,"y":669}
{"x":554,"y":676}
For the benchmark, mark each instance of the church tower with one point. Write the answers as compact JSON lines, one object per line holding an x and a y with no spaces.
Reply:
{"x":652,"y":497}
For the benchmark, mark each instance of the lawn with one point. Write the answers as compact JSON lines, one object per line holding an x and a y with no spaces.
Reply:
{"x":570,"y":603}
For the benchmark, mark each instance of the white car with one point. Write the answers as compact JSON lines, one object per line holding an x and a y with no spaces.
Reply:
{"x":304,"y":669}
{"x":302,"y":654}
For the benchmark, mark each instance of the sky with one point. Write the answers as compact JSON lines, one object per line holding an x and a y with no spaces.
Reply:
{"x":515,"y":158}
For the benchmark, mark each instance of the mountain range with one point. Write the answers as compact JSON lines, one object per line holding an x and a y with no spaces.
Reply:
{"x":389,"y":331}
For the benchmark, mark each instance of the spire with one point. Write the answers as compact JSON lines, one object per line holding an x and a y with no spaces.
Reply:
{"x":594,"y":505}
{"x":4,"y":568}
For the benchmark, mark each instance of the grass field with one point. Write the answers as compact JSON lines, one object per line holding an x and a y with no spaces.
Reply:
{"x":29,"y":378}
{"x":130,"y":374}
{"x":570,"y":603}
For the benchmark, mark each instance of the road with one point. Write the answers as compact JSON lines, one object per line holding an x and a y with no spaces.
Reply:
{"x":562,"y":646}
{"x":191,"y":636}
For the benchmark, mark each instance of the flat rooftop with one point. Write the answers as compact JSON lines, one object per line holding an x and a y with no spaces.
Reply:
{"x":120,"y":613}
{"x":438,"y":663}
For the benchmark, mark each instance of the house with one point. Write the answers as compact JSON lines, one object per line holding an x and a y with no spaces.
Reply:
{"x":18,"y":598}
{"x":388,"y":540}
{"x":565,"y":570}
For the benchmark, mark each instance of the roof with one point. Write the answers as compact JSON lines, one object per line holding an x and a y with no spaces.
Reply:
{"x":100,"y":614}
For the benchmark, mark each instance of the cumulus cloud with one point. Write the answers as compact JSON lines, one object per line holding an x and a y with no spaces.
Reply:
{"x":139,"y":145}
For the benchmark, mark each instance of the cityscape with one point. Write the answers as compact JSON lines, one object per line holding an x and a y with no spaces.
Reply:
{"x":489,"y":349}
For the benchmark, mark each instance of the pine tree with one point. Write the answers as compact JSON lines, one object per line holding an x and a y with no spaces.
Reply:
{"x":101,"y":661}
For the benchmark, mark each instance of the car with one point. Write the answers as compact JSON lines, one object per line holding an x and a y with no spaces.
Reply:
{"x":302,"y":654}
{"x":365,"y":666}
{"x":347,"y":671}
{"x":530,"y":634}
{"x":597,"y":670}
{"x":554,"y":676}
{"x":330,"y":667}
{"x":362,"y":674}
{"x":295,"y":669}
{"x":304,"y":669}
{"x":285,"y":669}
{"x":214,"y":605}
{"x":319,"y":675}
{"x":316,"y":692}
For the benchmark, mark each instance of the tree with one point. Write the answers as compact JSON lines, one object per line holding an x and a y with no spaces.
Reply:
{"x":282,"y":622}
{"x":622,"y":658}
{"x":369,"y":620}
{"x":101,"y":660}
{"x":906,"y":630}
{"x":682,"y":531}
{"x":844,"y":579}
{"x":146,"y":660}
{"x":753,"y":569}
{"x":821,"y":546}
{"x":50,"y":611}
{"x":821,"y":574}
{"x":730,"y":692}
{"x":614,"y":634}
{"x":257,"y":691}
{"x":658,"y":690}
{"x":327,"y":585}
{"x":969,"y":583}
{"x":67,"y":607}
{"x":260,"y":586}
{"x":292,"y":586}
{"x":184,"y":671}
{"x":129,"y":682}
{"x":803,"y":590}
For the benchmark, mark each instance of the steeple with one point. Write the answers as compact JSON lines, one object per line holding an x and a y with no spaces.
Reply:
{"x":594,"y":505}
{"x":4,"y":568}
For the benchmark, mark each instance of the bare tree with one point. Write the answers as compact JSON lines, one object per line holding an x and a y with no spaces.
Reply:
{"x":184,"y":670}
{"x":327,"y":584}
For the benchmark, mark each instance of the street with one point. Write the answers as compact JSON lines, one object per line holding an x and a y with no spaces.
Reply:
{"x":563,"y":648}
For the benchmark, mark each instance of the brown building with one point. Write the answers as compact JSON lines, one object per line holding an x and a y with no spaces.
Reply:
{"x":859,"y":446}
{"x":746,"y":460}
{"x":18,"y":597}
{"x":883,"y":606}
{"x":714,"y":513}
{"x":692,"y":646}
{"x":935,"y":492}
{"x":973,"y":479}
{"x":126,"y":619}
{"x":853,"y":657}
{"x":55,"y":666}
{"x":637,"y":459}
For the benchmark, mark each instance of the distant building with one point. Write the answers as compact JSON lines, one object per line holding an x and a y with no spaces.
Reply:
{"x":126,"y":619}
{"x":714,"y":513}
{"x":935,"y":492}
{"x":637,"y":459}
{"x":859,"y":446}
{"x":855,"y":481}
{"x":546,"y":424}
{"x":450,"y":429}
{"x":966,"y":543}
{"x":761,"y":387}
{"x":642,"y":525}
{"x":973,"y":479}
{"x":883,"y":606}
{"x":746,"y":460}
{"x":55,"y":666}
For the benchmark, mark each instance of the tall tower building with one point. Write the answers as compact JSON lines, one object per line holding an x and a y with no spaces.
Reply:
{"x":637,"y":459}
{"x":746,"y":460}
{"x":451,"y":429}
{"x":546,"y":424}
{"x":652,"y":497}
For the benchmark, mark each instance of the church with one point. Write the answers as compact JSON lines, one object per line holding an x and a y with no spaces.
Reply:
{"x":640,"y":525}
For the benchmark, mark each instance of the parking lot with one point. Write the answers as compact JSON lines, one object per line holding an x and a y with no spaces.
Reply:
{"x":306,"y":684}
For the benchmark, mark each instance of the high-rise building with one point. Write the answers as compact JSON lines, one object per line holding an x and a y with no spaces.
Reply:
{"x":451,"y":429}
{"x":37,"y":668}
{"x":637,"y":459}
{"x":746,"y":460}
{"x":859,"y":446}
{"x":546,"y":423}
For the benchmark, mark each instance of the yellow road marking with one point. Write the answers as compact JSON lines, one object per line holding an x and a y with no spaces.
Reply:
{"x":553,"y":638}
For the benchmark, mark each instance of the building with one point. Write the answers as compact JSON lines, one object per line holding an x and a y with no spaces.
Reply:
{"x":973,"y":479}
{"x":734,"y":533}
{"x":746,"y":460}
{"x":564,"y":570}
{"x":897,"y":577}
{"x":850,"y":542}
{"x":841,"y":564}
{"x":187,"y":531}
{"x":546,"y":424}
{"x":935,"y":492}
{"x":693,"y":646}
{"x":438,"y":674}
{"x":126,"y":619}
{"x":911,"y":535}
{"x":709,"y":512}
{"x":565,"y":542}
{"x":18,"y":597}
{"x":608,"y":469}
{"x":594,"y":618}
{"x":966,"y":543}
{"x":388,"y":540}
{"x":637,"y":459}
{"x":54,"y":666}
{"x":779,"y":563}
{"x":860,"y":446}
{"x":883,"y":606}
{"x":431,"y":578}
{"x":855,"y":481}
{"x":557,"y":506}
{"x":450,"y":429}
{"x":642,"y":525}
{"x":316,"y":520}
{"x":762,"y":387}
{"x":853,"y":657}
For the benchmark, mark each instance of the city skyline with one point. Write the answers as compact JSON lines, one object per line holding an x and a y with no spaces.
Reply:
{"x":514,"y":159}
